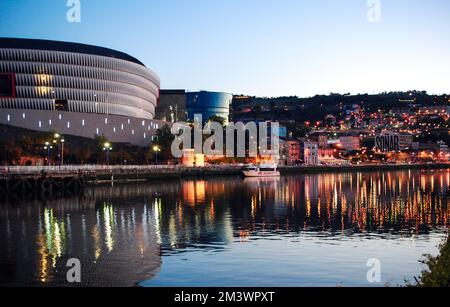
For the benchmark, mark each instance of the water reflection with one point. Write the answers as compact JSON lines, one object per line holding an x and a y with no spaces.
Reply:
{"x":112,"y":235}
{"x":126,"y":234}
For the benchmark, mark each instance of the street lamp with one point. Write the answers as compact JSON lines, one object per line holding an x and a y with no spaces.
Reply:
{"x":63,"y":141}
{"x":107,"y":148}
{"x":156,"y":149}
{"x":48,"y":147}
{"x":59,"y":137}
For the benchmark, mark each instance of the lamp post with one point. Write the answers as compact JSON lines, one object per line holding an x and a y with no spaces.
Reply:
{"x":63,"y":141}
{"x":59,"y":139}
{"x":48,"y":147}
{"x":57,"y":136}
{"x":107,"y":148}
{"x":56,"y":145}
{"x":156,"y":149}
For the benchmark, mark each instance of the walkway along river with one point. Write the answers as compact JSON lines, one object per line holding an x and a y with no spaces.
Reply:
{"x":73,"y":179}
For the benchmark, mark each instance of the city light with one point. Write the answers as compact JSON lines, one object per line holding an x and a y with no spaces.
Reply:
{"x":107,"y":147}
{"x":224,"y":144}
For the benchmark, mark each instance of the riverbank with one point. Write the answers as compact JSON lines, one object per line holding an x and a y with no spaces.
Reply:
{"x":118,"y":174}
{"x":146,"y":172}
{"x":34,"y":179}
{"x":437,"y":274}
{"x":360,"y":168}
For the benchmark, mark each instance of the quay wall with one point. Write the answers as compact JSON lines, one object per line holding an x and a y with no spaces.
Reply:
{"x":75,"y":178}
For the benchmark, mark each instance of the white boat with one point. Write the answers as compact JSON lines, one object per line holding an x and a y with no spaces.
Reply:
{"x":262,"y":170}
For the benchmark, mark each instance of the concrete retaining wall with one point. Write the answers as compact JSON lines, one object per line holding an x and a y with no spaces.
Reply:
{"x":117,"y":129}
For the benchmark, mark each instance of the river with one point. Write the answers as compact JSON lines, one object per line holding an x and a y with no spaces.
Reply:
{"x":305,"y":230}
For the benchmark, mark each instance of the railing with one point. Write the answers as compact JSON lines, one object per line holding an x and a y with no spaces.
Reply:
{"x":4,"y":170}
{"x":103,"y":168}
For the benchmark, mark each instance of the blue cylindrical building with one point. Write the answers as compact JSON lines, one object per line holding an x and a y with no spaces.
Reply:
{"x":208,"y":104}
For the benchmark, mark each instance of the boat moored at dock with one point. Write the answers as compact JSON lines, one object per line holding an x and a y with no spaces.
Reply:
{"x":261,"y":170}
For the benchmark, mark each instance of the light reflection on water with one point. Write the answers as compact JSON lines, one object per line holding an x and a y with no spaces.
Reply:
{"x":295,"y":231}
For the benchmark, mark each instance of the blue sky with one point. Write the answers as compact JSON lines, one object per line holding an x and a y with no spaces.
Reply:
{"x":259,"y":47}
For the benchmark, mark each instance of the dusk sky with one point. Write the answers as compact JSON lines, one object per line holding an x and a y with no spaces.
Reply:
{"x":259,"y":47}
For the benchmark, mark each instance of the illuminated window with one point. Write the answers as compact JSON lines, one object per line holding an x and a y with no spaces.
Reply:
{"x":40,"y":124}
{"x":9,"y":117}
{"x":61,"y":105}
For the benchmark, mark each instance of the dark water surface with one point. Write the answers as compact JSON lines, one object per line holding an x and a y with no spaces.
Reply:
{"x":312,"y":230}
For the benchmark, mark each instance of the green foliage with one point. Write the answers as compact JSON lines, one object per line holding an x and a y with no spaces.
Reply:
{"x":10,"y":153}
{"x":298,"y":130}
{"x":100,"y":140}
{"x":164,"y":140}
{"x":438,"y":273}
{"x":17,"y":142}
{"x":217,"y":119}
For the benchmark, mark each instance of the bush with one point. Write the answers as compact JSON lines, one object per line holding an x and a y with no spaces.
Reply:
{"x":438,"y":273}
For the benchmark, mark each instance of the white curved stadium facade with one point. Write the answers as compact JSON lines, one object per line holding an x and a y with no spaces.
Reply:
{"x":80,"y":83}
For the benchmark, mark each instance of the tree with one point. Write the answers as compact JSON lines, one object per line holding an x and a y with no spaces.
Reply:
{"x":438,"y":273}
{"x":298,"y":130}
{"x":98,"y":154}
{"x":82,"y":155}
{"x":28,"y":145}
{"x":218,"y":119}
{"x":10,"y":153}
{"x":122,"y":157}
{"x":100,"y":140}
{"x":162,"y":144}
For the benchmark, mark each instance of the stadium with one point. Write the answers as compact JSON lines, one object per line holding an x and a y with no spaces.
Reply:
{"x":77,"y":89}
